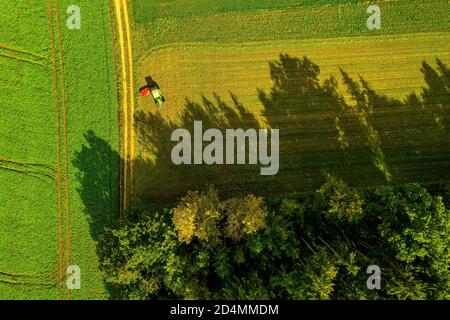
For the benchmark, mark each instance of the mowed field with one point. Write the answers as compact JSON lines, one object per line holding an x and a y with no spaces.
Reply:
{"x":211,"y":56}
{"x":58,"y":147}
{"x":391,"y":64}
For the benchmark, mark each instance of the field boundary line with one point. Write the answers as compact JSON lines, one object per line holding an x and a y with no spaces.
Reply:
{"x":58,"y":138}
{"x":66,"y":152}
{"x":119,"y":116}
{"x":292,"y":42}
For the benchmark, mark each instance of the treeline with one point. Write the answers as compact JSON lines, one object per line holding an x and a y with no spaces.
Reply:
{"x":314,"y":246}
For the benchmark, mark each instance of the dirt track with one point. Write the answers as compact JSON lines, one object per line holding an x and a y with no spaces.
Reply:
{"x":58,"y":141}
{"x":127,"y":81}
{"x":62,"y":162}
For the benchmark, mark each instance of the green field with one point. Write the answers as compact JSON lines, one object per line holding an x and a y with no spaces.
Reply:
{"x":170,"y":22}
{"x":30,"y":232}
{"x":212,"y":57}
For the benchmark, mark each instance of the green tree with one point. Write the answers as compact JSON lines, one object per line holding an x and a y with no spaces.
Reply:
{"x":416,"y":225}
{"x":311,"y":247}
{"x":338,"y":201}
{"x":138,"y":257}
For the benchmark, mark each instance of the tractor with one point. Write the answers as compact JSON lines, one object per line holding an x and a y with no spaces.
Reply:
{"x":153,"y":89}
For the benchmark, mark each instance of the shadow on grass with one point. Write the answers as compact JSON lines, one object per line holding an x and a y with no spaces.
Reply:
{"x":98,"y":177}
{"x":369,"y":139}
{"x":159,"y":181}
{"x":97,"y":167}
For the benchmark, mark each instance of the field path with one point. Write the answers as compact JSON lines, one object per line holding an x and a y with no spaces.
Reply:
{"x":66,"y":151}
{"x":20,"y":59}
{"x":126,"y":58}
{"x":131,"y":86}
{"x":58,"y":141}
{"x":22,"y":51}
{"x":60,"y":101}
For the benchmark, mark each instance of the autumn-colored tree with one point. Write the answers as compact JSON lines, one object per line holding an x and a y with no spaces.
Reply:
{"x":197,"y":215}
{"x":245,"y":216}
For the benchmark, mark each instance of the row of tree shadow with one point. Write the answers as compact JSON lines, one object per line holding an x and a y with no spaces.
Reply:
{"x":365,"y":138}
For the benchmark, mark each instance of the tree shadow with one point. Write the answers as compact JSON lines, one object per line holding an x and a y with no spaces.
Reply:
{"x":97,"y":165}
{"x":319,"y":131}
{"x":409,"y":139}
{"x":98,"y":168}
{"x":367,"y":140}
{"x":159,"y":181}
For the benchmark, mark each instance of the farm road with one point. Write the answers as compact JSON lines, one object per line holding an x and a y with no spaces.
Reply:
{"x":127,"y":81}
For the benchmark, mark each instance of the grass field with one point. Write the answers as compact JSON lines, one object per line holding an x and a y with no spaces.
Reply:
{"x":59,"y":135}
{"x":243,"y":21}
{"x":200,"y":52}
{"x":29,"y":214}
{"x":192,"y":70}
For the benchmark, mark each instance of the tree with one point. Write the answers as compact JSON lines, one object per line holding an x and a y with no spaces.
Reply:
{"x":245,"y":216}
{"x":138,"y":257}
{"x":197,"y":215}
{"x":416,"y":225}
{"x":339,"y":202}
{"x":317,"y":246}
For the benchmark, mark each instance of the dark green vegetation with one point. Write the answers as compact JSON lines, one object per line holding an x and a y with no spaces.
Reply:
{"x":367,"y":139}
{"x":316,"y":246}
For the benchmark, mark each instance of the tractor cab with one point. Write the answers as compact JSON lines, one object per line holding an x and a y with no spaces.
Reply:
{"x":157,"y":96}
